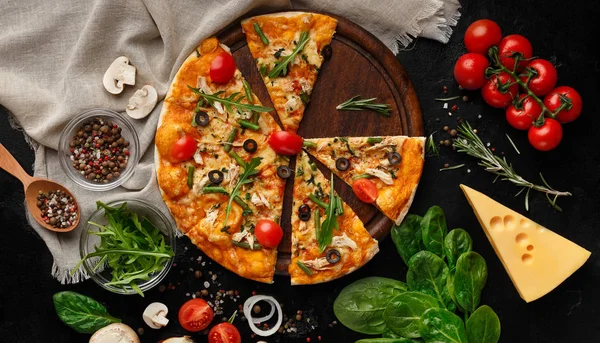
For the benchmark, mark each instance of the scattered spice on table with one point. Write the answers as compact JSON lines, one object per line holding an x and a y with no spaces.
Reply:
{"x":58,"y":208}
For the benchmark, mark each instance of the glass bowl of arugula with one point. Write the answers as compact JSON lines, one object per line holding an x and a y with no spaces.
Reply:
{"x":127,"y":246}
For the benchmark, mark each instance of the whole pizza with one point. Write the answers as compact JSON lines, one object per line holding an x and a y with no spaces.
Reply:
{"x":223,"y":159}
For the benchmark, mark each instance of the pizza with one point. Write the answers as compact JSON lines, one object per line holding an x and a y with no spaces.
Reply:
{"x":393,"y":163}
{"x":320,"y":251}
{"x":289,"y":49}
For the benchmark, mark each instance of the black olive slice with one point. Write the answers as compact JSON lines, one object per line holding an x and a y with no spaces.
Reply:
{"x":215,"y":176}
{"x":394,"y":158}
{"x":326,"y":52}
{"x":333,"y":256}
{"x":304,"y":212}
{"x":342,"y":164}
{"x":284,"y":172}
{"x":250,"y":145}
{"x":202,"y":119}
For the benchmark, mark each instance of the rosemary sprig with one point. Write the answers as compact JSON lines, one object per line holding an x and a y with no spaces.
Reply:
{"x":246,"y":178}
{"x":452,"y":167}
{"x":469,"y":143}
{"x":431,"y":147}
{"x":356,"y":104}
{"x":513,"y":144}
{"x":281,"y":67}
{"x":232,"y":100}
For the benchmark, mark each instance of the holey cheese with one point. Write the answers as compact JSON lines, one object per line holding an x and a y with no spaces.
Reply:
{"x":536,"y":259}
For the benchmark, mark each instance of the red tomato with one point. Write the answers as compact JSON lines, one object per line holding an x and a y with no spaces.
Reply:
{"x":566,"y":101}
{"x":547,"y":136}
{"x":522,"y":116}
{"x":512,"y":45}
{"x":224,"y":333}
{"x":365,"y":190}
{"x":500,"y":90}
{"x":222,"y":68}
{"x":481,"y":35}
{"x":469,"y":70}
{"x":183,"y":149}
{"x":195,"y":315}
{"x":542,"y":76}
{"x":268,"y":233}
{"x":285,"y":143}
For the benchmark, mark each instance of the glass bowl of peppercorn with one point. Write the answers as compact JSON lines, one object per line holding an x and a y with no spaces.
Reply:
{"x":99,"y":149}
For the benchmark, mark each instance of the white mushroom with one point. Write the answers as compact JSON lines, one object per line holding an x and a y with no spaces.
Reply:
{"x":119,"y":73}
{"x":184,"y":339}
{"x":155,"y":315}
{"x":115,"y":333}
{"x":142,"y":102}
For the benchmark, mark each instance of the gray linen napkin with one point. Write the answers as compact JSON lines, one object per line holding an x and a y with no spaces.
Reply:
{"x":53,"y":56}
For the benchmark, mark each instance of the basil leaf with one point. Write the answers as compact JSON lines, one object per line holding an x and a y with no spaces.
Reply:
{"x":433,"y":227}
{"x":408,"y":237}
{"x":483,"y":326}
{"x":456,"y":243}
{"x":360,"y":305}
{"x":81,"y":313}
{"x":404,"y":312}
{"x":428,"y":273}
{"x":469,"y":280}
{"x":441,"y":326}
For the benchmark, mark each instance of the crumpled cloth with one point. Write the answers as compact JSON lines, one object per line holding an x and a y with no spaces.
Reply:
{"x":54,"y":54}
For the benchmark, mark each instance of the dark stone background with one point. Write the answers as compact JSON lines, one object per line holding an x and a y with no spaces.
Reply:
{"x":565,"y":32}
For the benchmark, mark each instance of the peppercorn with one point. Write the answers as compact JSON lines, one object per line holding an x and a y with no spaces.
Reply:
{"x":197,"y":274}
{"x":453,"y":132}
{"x":256,"y":309}
{"x":446,"y":128}
{"x":204,"y":292}
{"x":447,"y":142}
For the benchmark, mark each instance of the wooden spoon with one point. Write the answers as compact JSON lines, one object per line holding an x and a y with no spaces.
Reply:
{"x":33,"y":186}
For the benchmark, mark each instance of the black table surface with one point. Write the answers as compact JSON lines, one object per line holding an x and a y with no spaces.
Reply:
{"x":564,"y":32}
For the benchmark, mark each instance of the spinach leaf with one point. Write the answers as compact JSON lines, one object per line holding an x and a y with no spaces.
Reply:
{"x":433,"y":228}
{"x":456,"y":242}
{"x":385,"y":340}
{"x":404,"y":312}
{"x":469,"y":280}
{"x":408,"y":237}
{"x":81,"y":313}
{"x":441,"y":326}
{"x":387,"y":333}
{"x":428,"y":273}
{"x":483,"y":326}
{"x":360,"y":305}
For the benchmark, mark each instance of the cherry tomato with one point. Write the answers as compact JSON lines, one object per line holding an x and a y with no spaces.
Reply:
{"x":222,"y":68}
{"x":481,"y":35}
{"x":195,"y":315}
{"x":542,"y":76}
{"x":547,"y":136}
{"x":268,"y":233}
{"x":497,"y":92}
{"x":526,"y":111}
{"x":571,"y":100}
{"x":365,"y":190}
{"x":469,"y":70}
{"x":511,"y":45}
{"x":224,"y":333}
{"x":285,"y":143}
{"x":183,"y":149}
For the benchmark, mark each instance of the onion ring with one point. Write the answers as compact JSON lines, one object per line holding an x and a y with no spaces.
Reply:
{"x":249,"y":304}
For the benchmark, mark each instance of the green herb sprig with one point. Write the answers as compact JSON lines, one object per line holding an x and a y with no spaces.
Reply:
{"x":334,"y":209}
{"x":281,"y":67}
{"x":357,"y":104}
{"x":234,"y":100}
{"x":246,"y":178}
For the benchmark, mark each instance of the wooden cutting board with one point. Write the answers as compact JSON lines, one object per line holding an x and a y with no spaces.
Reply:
{"x":360,"y":65}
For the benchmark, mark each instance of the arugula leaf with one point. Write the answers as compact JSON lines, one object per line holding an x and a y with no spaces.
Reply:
{"x":232,"y":100}
{"x":246,"y":178}
{"x":333,"y":210}
{"x":281,"y":67}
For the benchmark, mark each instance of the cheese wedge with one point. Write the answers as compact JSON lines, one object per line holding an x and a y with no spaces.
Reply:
{"x":536,"y":259}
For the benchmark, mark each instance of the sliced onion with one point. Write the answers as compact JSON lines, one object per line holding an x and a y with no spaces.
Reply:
{"x":249,"y":304}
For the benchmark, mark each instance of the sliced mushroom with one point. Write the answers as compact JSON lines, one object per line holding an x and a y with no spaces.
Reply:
{"x":119,"y":73}
{"x":115,"y":333}
{"x":184,"y":339}
{"x":142,"y":102}
{"x":155,"y":315}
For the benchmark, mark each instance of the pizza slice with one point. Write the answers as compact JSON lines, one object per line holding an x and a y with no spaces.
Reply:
{"x":289,"y":49}
{"x":328,"y":238}
{"x":393,"y":164}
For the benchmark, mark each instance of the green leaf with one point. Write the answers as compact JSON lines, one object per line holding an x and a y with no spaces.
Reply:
{"x":249,"y":171}
{"x":360,"y":305}
{"x":427,"y":273}
{"x":441,"y":326}
{"x":281,"y":67}
{"x":483,"y":326}
{"x":81,"y":313}
{"x":385,"y":340}
{"x":469,"y":279}
{"x":404,"y":312}
{"x":408,"y":237}
{"x":456,"y":243}
{"x":332,"y":211}
{"x":433,"y":227}
{"x":233,"y":100}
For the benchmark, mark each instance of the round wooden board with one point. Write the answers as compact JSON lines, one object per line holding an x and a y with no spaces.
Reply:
{"x":360,"y":65}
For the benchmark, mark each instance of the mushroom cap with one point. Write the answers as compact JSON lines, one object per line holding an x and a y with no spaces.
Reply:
{"x":115,"y":333}
{"x":119,"y":73}
{"x":142,"y":102}
{"x":184,"y":339}
{"x":155,"y":315}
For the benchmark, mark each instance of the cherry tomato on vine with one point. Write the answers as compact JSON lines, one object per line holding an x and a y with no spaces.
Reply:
{"x":469,"y":70}
{"x":481,"y":35}
{"x":286,"y":143}
{"x":183,"y":149}
{"x":523,"y":113}
{"x":500,"y":90}
{"x":195,"y":315}
{"x":268,"y":233}
{"x":510,"y":46}
{"x":571,"y":100}
{"x":222,"y":68}
{"x":365,"y":190}
{"x":546,"y":136}
{"x":224,"y":333}
{"x":542,"y":76}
